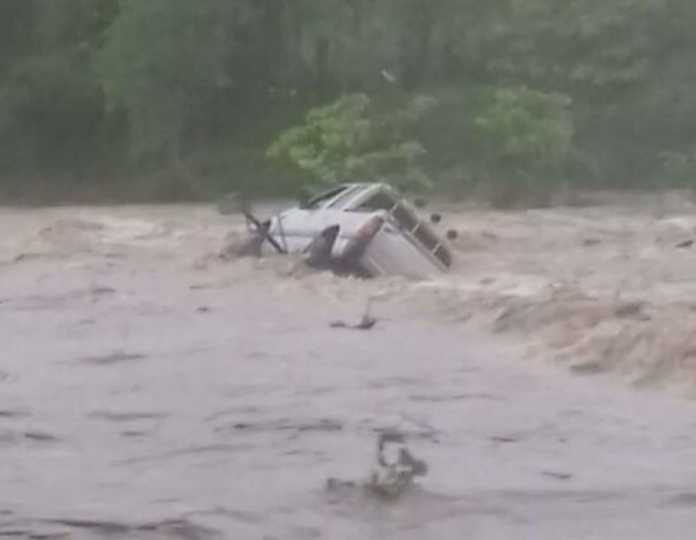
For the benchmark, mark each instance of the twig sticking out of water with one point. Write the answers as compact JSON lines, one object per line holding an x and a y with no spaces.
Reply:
{"x":367,"y":321}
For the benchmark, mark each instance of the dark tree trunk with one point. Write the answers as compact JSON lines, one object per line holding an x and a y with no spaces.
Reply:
{"x":274,"y":57}
{"x":321,"y":66}
{"x":416,"y":45}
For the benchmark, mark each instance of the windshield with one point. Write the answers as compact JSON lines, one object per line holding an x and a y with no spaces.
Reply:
{"x":320,"y":199}
{"x":379,"y":201}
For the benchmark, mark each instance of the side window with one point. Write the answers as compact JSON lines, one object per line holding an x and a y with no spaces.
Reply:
{"x":379,"y":201}
{"x":406,"y":219}
{"x":317,"y":201}
{"x":403,"y":216}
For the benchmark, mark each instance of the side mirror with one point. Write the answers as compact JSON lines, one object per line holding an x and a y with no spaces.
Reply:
{"x":419,"y":203}
{"x":435,"y":218}
{"x":452,"y":234}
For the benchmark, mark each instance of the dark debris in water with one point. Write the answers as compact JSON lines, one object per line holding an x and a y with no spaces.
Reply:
{"x":683,"y":500}
{"x":12,"y":414}
{"x":40,"y":436}
{"x":322,"y":424}
{"x":506,"y":439}
{"x":104,"y":527}
{"x":38,"y":302}
{"x":27,"y":257}
{"x":632,"y":310}
{"x":389,"y":382}
{"x":448,"y":398}
{"x":134,"y":433}
{"x":112,"y":358}
{"x":392,"y":475}
{"x":33,"y":531}
{"x":181,"y":529}
{"x":589,"y":368}
{"x":557,"y":475}
{"x":100,"y":291}
{"x":366,"y":323}
{"x":412,"y":429}
{"x":176,"y":528}
{"x":197,"y":450}
{"x":14,"y":437}
{"x":126,"y":416}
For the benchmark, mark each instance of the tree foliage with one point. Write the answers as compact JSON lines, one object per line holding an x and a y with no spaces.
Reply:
{"x":524,"y":127}
{"x":600,"y":90}
{"x":353,"y":138}
{"x":161,"y":62}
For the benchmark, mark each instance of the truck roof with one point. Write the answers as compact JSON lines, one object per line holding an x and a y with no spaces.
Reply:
{"x":344,"y":195}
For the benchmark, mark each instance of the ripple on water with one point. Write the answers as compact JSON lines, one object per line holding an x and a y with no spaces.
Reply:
{"x":7,"y":377}
{"x":197,"y":450}
{"x":451,"y":398}
{"x":175,"y":529}
{"x":10,"y":414}
{"x":135,"y":433}
{"x":409,"y":428}
{"x":41,"y":436}
{"x":414,"y":509}
{"x":13,"y":437}
{"x":284,"y":424}
{"x":112,"y":416}
{"x":682,"y":500}
{"x":112,"y":358}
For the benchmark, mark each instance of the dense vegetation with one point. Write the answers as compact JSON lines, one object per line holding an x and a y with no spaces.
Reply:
{"x":181,"y":98}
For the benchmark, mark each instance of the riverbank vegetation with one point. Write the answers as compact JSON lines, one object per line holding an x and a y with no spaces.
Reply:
{"x":173,"y":99}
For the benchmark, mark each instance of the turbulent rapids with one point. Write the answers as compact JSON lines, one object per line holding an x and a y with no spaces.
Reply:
{"x":152,"y":388}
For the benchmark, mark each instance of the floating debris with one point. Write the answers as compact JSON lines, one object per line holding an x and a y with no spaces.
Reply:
{"x":557,"y":475}
{"x":393,"y":474}
{"x":113,"y":358}
{"x":396,"y":466}
{"x":367,"y":321}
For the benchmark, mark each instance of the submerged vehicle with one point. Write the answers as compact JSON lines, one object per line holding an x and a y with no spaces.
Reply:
{"x":365,"y":229}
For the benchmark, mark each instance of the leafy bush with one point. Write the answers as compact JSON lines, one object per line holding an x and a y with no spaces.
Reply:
{"x":50,"y":114}
{"x":526,"y":128}
{"x":161,"y":62}
{"x":527,"y":140}
{"x":352,"y":139}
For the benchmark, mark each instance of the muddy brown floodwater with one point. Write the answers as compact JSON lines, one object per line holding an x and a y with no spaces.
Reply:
{"x":150,"y":390}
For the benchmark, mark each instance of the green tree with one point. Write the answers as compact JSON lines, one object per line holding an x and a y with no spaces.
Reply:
{"x":210,"y":82}
{"x":51,"y":107}
{"x":352,"y":139}
{"x":164,"y":61}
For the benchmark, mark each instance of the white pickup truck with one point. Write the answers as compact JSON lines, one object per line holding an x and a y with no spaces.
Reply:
{"x":358,"y":228}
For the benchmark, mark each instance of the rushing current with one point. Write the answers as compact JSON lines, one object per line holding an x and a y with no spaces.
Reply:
{"x":150,"y":390}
